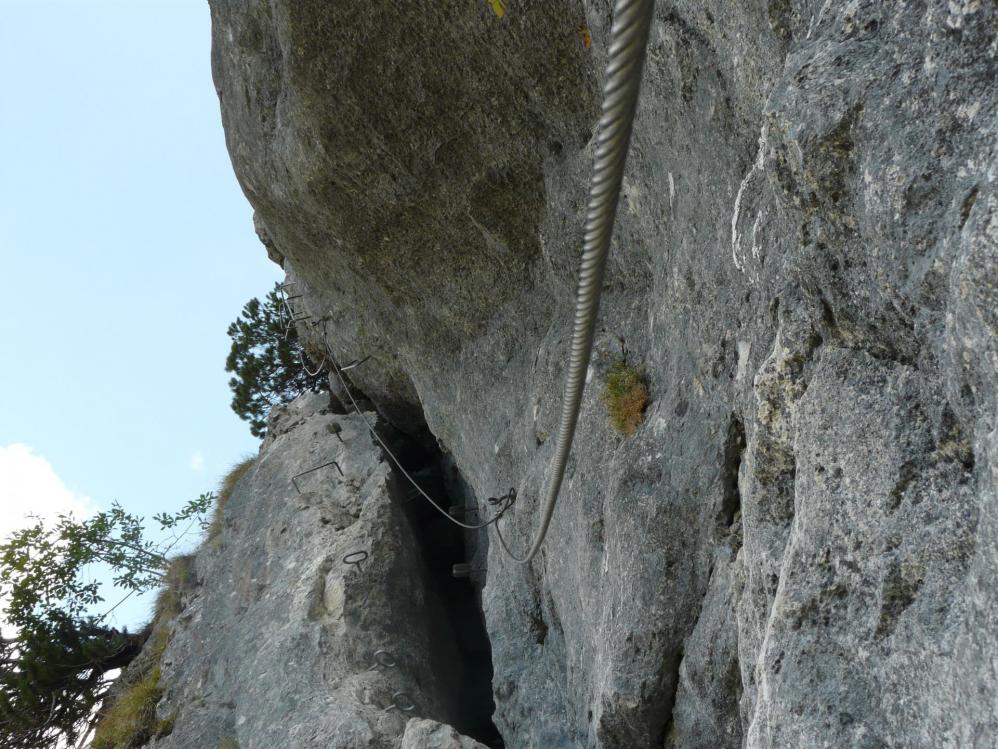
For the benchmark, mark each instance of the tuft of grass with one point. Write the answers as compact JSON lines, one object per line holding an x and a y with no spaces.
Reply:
{"x":225,"y":490}
{"x":165,"y":727}
{"x":131,"y":720}
{"x":228,"y":743}
{"x":625,"y":397}
{"x":178,"y":578}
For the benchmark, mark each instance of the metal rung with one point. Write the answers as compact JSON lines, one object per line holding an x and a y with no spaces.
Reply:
{"x":354,"y":363}
{"x":294,"y":479}
{"x":464,"y":569}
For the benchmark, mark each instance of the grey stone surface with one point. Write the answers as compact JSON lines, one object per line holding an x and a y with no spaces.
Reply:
{"x":800,"y":546}
{"x":274,"y":647}
{"x":421,"y":733}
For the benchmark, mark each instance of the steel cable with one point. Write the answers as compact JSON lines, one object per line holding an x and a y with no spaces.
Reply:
{"x":628,"y":39}
{"x":310,"y":373}
{"x":398,"y":463}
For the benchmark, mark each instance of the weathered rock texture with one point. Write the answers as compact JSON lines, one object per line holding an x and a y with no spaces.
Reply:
{"x":799,"y":547}
{"x":280,"y":643}
{"x":427,"y":734}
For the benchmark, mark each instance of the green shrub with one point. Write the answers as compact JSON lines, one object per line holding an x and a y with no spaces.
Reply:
{"x":266,"y":361}
{"x":54,"y":670}
{"x":625,"y":397}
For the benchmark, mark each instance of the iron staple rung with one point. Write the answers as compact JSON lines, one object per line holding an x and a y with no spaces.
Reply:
{"x":294,"y":479}
{"x":464,"y":569}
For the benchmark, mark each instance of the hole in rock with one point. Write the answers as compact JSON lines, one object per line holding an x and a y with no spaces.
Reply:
{"x":462,"y":652}
{"x":734,"y":447}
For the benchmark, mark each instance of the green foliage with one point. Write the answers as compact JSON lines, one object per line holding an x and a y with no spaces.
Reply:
{"x":625,"y":397}
{"x":265,"y":358}
{"x":228,"y":486}
{"x":193,"y":510}
{"x":53,"y":676}
{"x":52,"y":671}
{"x":41,"y":569}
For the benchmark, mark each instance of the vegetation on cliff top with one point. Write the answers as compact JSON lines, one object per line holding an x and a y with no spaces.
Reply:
{"x":266,"y":360}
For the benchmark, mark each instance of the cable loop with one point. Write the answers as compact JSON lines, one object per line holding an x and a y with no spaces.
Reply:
{"x":318,"y":371}
{"x":398,"y":464}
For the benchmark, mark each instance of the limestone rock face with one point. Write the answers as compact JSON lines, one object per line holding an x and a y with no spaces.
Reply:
{"x":286,"y":644}
{"x":421,"y":733}
{"x":799,"y":547}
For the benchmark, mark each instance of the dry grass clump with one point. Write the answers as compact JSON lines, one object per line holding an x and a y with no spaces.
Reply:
{"x":225,"y":490}
{"x":625,"y":397}
{"x":179,"y":577}
{"x":130,"y":720}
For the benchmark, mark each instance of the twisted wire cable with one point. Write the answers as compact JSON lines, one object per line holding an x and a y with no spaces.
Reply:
{"x":629,"y":36}
{"x":310,"y":373}
{"x":398,"y":464}
{"x":628,"y":39}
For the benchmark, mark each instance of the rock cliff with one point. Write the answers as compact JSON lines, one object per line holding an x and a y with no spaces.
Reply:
{"x":320,"y":616}
{"x":798,"y":547}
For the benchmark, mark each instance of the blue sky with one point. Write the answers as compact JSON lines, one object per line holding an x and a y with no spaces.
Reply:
{"x":126,"y":248}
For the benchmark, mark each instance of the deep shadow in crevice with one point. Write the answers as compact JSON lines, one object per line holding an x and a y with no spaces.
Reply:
{"x":673,"y":663}
{"x":461,"y":651}
{"x":734,"y":448}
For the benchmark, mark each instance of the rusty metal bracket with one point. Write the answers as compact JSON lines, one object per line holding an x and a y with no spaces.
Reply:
{"x":294,"y":479}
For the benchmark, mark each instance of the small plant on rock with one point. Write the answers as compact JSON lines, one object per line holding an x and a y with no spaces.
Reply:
{"x":625,"y":397}
{"x":228,"y":485}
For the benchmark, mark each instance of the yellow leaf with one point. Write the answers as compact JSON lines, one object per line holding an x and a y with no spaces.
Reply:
{"x":498,"y":7}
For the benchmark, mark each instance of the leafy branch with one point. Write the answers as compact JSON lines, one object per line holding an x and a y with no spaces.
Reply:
{"x":53,"y":671}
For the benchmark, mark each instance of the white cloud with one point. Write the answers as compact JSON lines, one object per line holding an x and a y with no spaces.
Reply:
{"x":29,"y":485}
{"x":197,"y":462}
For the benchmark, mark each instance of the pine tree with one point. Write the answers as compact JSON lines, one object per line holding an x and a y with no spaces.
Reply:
{"x":266,"y":359}
{"x":54,"y":675}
